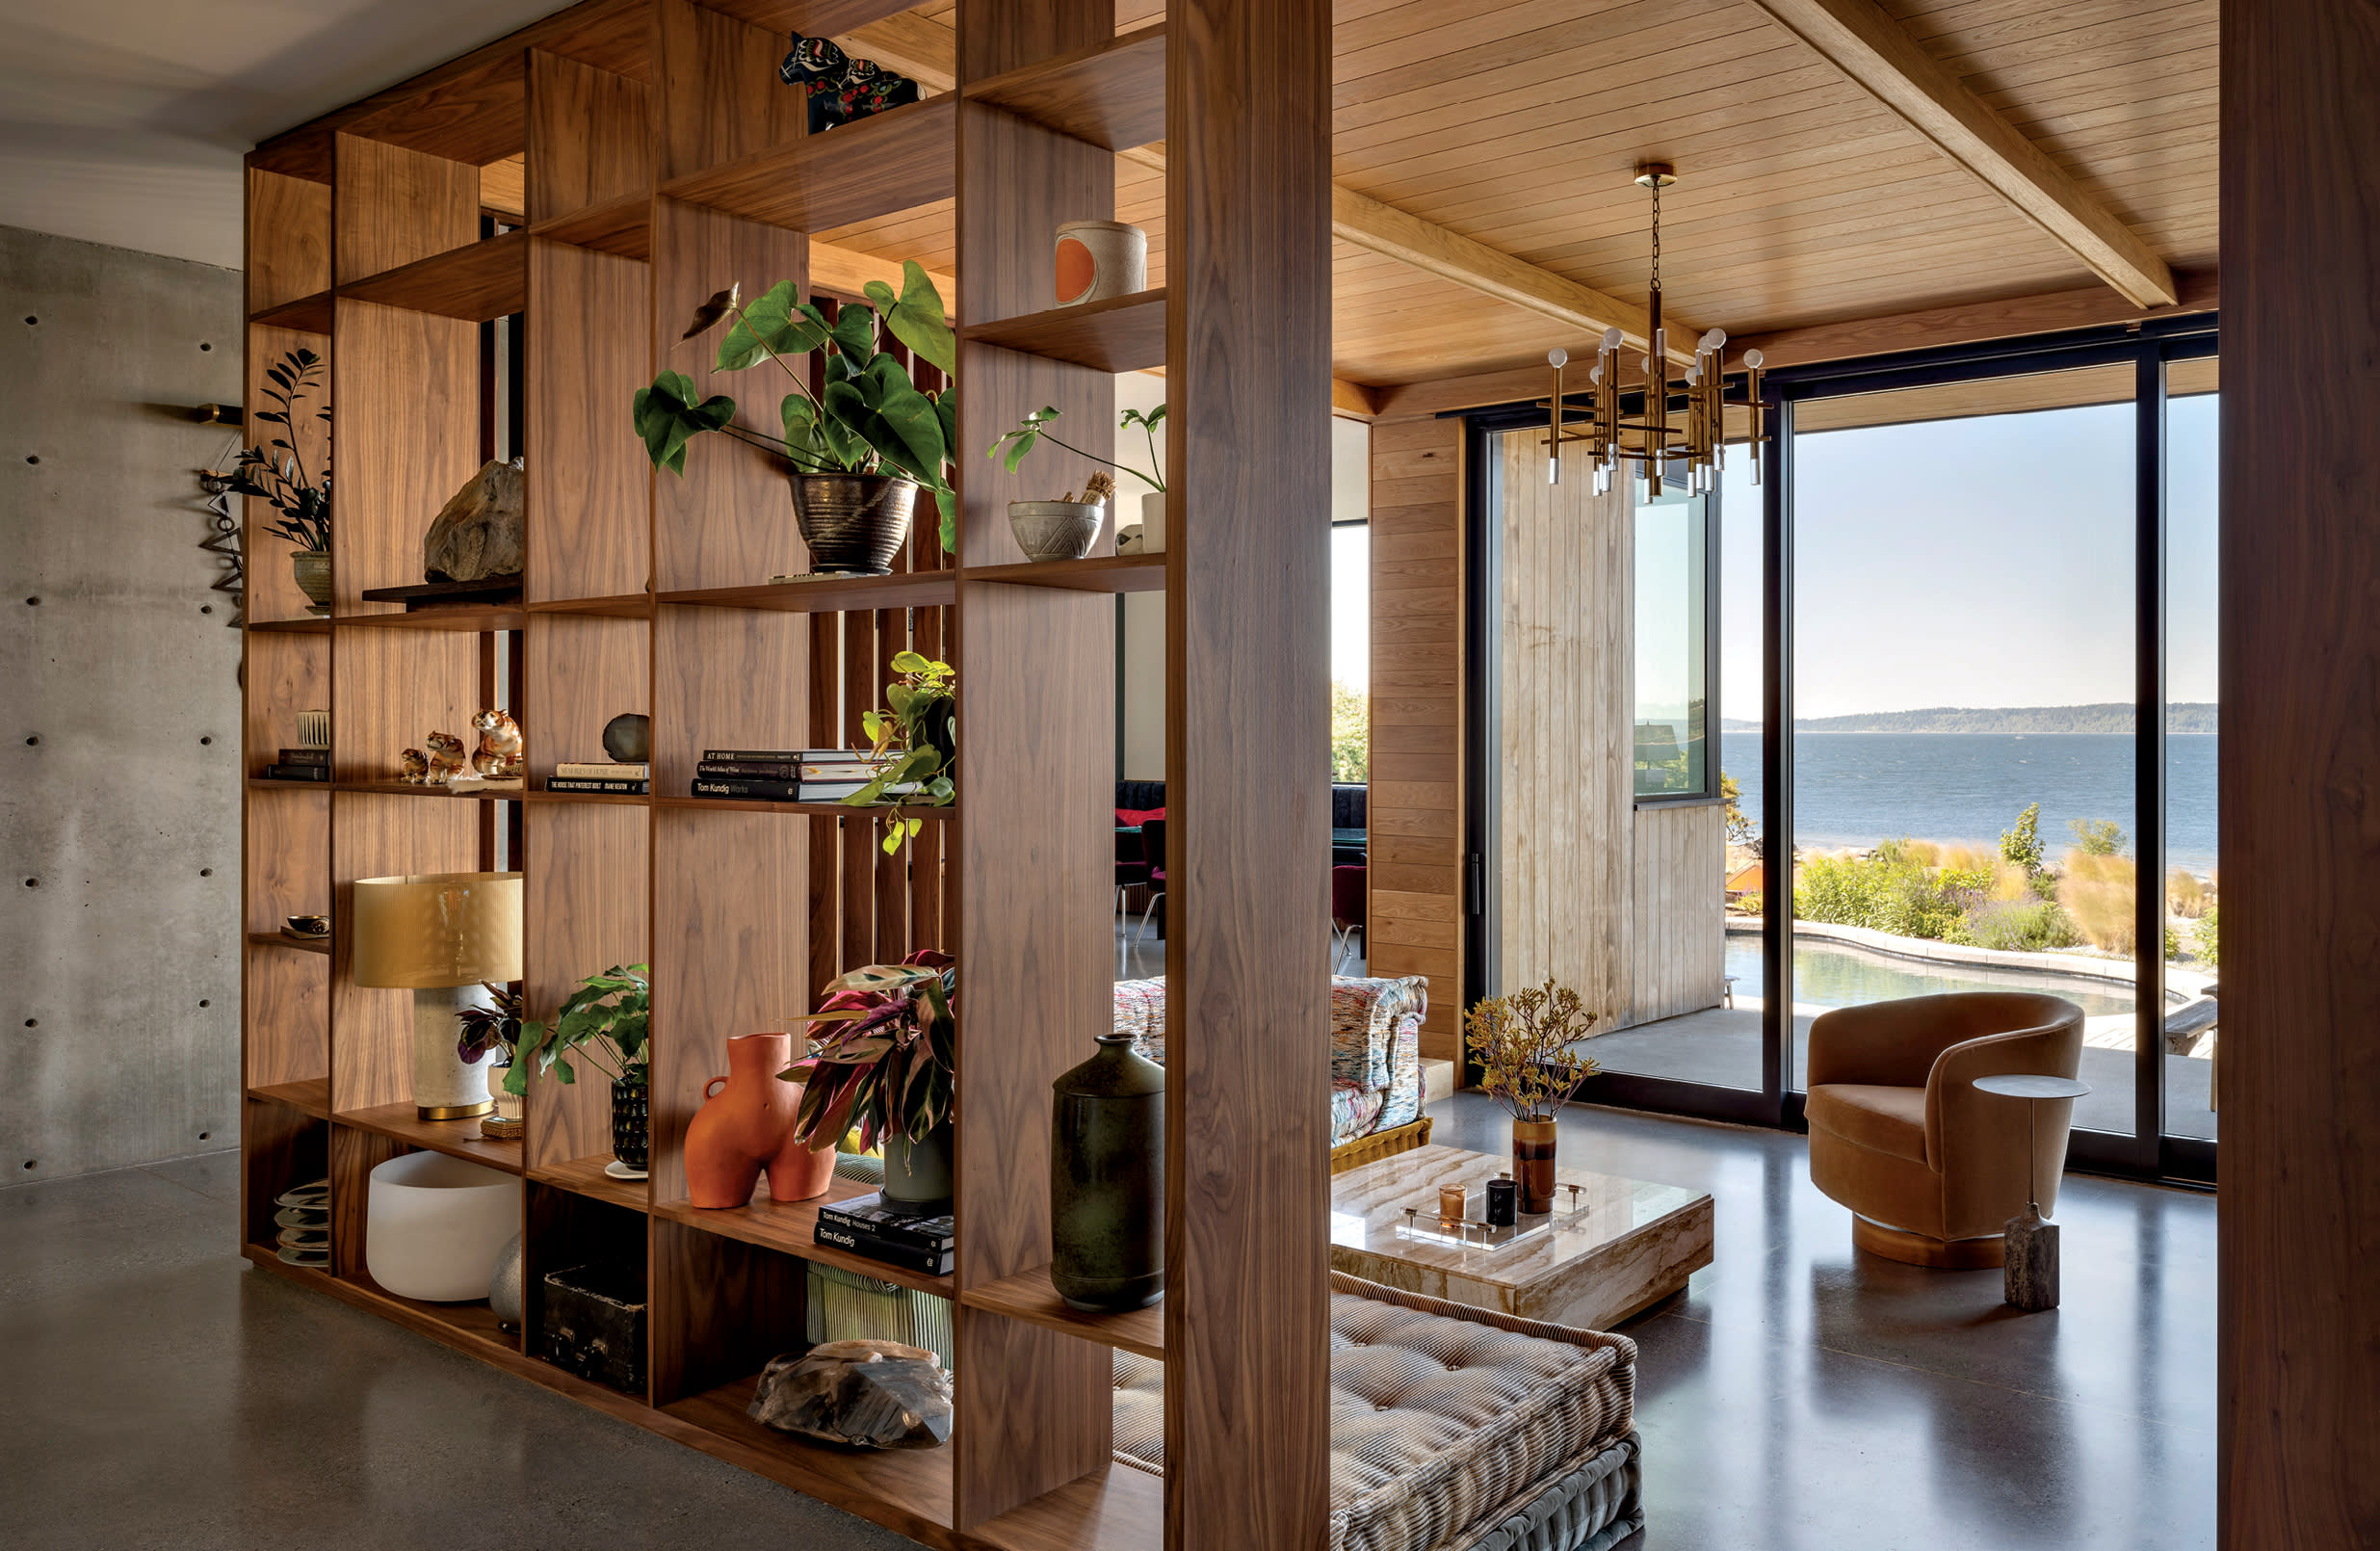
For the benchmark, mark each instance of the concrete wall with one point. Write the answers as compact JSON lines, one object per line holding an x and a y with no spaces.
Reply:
{"x":119,"y":736}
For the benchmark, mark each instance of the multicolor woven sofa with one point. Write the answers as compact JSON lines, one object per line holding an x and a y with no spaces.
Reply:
{"x":1375,"y":1058}
{"x":1453,"y":1428}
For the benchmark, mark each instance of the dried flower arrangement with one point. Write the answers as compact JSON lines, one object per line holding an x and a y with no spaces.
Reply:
{"x":1522,"y":1043}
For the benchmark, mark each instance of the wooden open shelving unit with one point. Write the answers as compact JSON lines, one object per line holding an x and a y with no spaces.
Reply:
{"x":663,"y":161}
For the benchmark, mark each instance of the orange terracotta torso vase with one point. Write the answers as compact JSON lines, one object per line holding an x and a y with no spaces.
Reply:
{"x":747,"y":1125}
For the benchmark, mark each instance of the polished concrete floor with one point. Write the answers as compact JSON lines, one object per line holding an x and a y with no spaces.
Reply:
{"x":155,"y":1392}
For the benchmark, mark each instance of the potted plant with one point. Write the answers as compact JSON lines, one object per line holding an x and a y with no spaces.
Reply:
{"x":884,"y":1064}
{"x":300,"y":500}
{"x":861,"y":446}
{"x":607,"y":1020}
{"x":1034,"y":429}
{"x":916,"y":743}
{"x":1522,"y":1044}
{"x":496,"y":1030}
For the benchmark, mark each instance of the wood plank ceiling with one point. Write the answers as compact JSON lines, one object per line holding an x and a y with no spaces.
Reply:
{"x":1803,"y":198}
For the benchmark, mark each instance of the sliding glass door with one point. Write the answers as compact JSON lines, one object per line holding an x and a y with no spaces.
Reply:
{"x":1928,"y":707}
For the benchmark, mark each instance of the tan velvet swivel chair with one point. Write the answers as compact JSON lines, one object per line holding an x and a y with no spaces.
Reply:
{"x":1931,"y":1169}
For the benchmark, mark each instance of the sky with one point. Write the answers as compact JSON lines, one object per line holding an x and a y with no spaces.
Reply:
{"x":1983,"y":561}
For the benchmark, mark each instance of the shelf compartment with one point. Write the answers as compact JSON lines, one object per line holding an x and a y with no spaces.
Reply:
{"x":841,"y":594}
{"x":1124,"y":334}
{"x":1112,"y":95}
{"x":470,"y":1327}
{"x":633,"y":800}
{"x":624,"y":226}
{"x":259,"y":783}
{"x":1119,"y":1509}
{"x":1032,"y":1297}
{"x":307,"y":315}
{"x":585,"y":1176}
{"x":909,"y":1490}
{"x":283,"y":939}
{"x":317,"y":626}
{"x":625,"y":606}
{"x":474,"y":282}
{"x":1100,"y":573}
{"x":894,"y":161}
{"x":416,"y":789}
{"x":814,"y":810}
{"x":311,"y":1095}
{"x":468,"y":617}
{"x":457,"y":1139}
{"x":789,"y":1227}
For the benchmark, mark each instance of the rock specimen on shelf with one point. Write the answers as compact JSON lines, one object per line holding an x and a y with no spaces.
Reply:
{"x":866,"y":1394}
{"x":479,"y":533}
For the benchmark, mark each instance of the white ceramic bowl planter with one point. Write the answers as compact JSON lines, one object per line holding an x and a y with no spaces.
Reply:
{"x":435,"y":1225}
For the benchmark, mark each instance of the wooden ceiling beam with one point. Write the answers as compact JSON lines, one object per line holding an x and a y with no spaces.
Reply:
{"x":1859,"y":38}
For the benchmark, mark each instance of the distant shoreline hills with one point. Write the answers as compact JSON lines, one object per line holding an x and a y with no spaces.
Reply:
{"x":2190,"y":717}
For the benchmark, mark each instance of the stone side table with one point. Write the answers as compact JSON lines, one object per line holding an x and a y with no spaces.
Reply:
{"x":2031,"y":1280}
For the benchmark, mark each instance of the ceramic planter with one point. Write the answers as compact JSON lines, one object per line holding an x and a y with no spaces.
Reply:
{"x":632,"y":1113}
{"x":1108,"y":1180}
{"x":745,"y":1126}
{"x":312,"y":568}
{"x":854,"y":523}
{"x":917,"y":1169}
{"x":1055,"y":530}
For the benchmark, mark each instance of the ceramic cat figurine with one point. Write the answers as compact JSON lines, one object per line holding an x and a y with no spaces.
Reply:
{"x":446,"y":759}
{"x":414,"y":767}
{"x":499,"y":754}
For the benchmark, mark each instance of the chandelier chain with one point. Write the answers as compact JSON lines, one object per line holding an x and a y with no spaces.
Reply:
{"x":1657,"y":234}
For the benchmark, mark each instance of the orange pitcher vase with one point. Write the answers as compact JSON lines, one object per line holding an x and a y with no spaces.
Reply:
{"x":745,"y":1126}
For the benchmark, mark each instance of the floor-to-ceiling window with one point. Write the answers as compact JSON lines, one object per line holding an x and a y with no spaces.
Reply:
{"x":1938,"y":623}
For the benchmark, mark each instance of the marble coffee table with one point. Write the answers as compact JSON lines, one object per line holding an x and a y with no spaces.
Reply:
{"x":1627,"y":1246}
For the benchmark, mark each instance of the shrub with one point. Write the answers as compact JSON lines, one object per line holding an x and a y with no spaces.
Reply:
{"x":2206,"y":939}
{"x":2173,"y":941}
{"x":2184,"y":895}
{"x":1888,"y":890}
{"x":1751,"y":902}
{"x":2097,"y":837}
{"x":2098,"y":889}
{"x":2019,"y":926}
{"x":2020,"y":846}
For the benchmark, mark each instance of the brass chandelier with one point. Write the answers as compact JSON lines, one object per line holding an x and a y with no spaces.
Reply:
{"x":1651,"y":437}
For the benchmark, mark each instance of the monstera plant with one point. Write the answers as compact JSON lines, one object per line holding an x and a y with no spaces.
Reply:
{"x":867,"y":421}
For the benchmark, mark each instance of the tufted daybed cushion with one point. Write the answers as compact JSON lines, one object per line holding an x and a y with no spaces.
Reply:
{"x":1452,"y":1427}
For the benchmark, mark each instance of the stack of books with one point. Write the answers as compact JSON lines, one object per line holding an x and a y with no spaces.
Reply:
{"x":782,"y":774}
{"x":889,"y":1231}
{"x":301,"y":765}
{"x":601,"y":776}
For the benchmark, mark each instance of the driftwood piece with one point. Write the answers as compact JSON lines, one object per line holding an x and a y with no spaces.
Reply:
{"x":2031,"y":1275}
{"x":479,"y":533}
{"x":865,"y":1394}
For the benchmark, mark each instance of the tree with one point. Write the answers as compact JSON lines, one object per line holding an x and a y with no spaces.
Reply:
{"x":1738,"y":823}
{"x":2098,"y":837}
{"x":2020,"y":846}
{"x":1351,"y":734}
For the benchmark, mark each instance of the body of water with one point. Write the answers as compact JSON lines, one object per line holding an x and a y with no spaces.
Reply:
{"x":1857,"y":788}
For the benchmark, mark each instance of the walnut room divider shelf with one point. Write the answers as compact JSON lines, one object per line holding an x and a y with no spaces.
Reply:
{"x":663,"y":161}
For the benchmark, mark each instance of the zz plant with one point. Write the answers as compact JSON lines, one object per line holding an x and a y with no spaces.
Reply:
{"x":867,"y":418}
{"x":608,"y":1021}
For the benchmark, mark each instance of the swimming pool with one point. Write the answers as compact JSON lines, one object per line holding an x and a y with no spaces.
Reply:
{"x":1837,"y":974}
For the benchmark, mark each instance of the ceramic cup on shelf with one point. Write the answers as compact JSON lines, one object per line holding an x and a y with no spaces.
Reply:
{"x":434,"y":1226}
{"x":1100,"y":259}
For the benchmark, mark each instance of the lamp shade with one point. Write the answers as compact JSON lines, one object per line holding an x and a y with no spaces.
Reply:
{"x":438,"y":929}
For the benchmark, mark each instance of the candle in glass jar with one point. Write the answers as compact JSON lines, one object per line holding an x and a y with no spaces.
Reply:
{"x":1450,"y":1203}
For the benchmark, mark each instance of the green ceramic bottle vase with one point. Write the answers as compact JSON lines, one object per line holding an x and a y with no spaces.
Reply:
{"x":1108,"y":1180}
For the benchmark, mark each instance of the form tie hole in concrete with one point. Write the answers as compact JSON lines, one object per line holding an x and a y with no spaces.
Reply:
{"x":33,"y":882}
{"x":206,"y":608}
{"x":207,"y":872}
{"x":33,"y":602}
{"x":30,"y":1022}
{"x":29,"y":1163}
{"x":206,"y":1136}
{"x":31,"y":458}
{"x":203,"y":345}
{"x":204,"y":1002}
{"x":35,"y":739}
{"x":29,"y":318}
{"x":205,"y":740}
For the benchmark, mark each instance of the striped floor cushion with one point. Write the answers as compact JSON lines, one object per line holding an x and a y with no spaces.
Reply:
{"x":1452,"y":1430}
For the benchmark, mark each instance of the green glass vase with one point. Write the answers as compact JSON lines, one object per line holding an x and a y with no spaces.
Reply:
{"x":1108,"y":1180}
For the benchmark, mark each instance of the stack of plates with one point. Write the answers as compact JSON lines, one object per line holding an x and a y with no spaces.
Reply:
{"x":304,"y":1221}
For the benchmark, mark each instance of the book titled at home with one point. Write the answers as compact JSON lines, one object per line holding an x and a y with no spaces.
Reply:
{"x":784,"y":757}
{"x":895,"y":1222}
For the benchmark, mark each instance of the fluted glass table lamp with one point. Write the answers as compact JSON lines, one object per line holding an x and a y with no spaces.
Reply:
{"x":440,"y":935}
